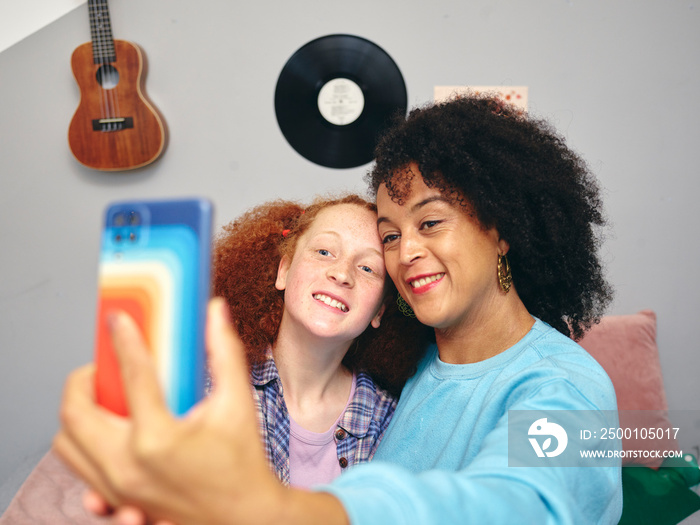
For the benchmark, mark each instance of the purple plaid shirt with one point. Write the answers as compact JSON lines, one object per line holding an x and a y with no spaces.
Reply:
{"x":359,"y":430}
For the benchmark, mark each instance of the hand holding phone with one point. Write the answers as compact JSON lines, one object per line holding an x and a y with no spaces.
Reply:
{"x":154,"y":265}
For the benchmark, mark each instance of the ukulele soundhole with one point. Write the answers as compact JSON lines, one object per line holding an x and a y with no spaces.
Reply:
{"x":107,"y":76}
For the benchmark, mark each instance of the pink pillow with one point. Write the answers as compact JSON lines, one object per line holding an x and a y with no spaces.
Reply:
{"x":625,"y":346}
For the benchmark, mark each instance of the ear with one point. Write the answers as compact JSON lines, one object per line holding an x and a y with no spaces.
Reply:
{"x":377,"y":319}
{"x":282,"y":270}
{"x":503,"y":246}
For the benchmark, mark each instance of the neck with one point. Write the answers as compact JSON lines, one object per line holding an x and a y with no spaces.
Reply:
{"x":101,"y":32}
{"x":486,"y":333}
{"x":307,"y":371}
{"x":316,"y":384}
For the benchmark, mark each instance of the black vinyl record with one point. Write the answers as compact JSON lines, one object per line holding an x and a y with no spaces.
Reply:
{"x":334,"y":98}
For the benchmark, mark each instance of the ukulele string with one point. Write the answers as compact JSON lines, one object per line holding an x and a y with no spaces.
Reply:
{"x":105,"y":52}
{"x":115,"y":88}
{"x":114,"y":85}
{"x":104,"y":25}
{"x":99,"y":56}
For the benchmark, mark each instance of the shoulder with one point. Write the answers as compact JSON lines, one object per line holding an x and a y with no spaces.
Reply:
{"x":370,"y":395}
{"x":266,"y":385}
{"x":264,"y":372}
{"x":551,"y":362}
{"x":551,"y":347}
{"x":370,"y":407}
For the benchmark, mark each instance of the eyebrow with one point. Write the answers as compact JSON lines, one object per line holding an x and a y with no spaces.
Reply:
{"x":418,"y":206}
{"x":328,"y":232}
{"x":336,"y":234}
{"x":375,"y":252}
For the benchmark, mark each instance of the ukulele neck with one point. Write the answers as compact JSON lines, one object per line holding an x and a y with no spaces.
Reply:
{"x":101,"y":32}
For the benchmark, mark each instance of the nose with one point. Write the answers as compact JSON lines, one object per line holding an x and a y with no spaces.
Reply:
{"x":410,"y":248}
{"x":341,"y":273}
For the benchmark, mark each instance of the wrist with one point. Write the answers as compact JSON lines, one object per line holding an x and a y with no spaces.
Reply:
{"x":302,"y":507}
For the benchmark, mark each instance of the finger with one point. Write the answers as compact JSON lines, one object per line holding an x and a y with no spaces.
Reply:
{"x":82,"y":466}
{"x":84,"y":378}
{"x":94,"y":503}
{"x":229,"y":366}
{"x":128,"y":515}
{"x":141,"y":386}
{"x":85,"y":424}
{"x":90,"y":436}
{"x":81,"y":419}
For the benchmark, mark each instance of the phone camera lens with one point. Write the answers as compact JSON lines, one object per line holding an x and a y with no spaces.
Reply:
{"x":118,"y":238}
{"x":119,"y":219}
{"x":134,"y":219}
{"x":132,"y":237}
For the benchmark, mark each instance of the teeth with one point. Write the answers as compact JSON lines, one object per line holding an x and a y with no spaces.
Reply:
{"x":427,"y":280}
{"x":331,"y":302}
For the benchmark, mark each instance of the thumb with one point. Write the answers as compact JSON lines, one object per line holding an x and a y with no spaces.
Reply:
{"x":141,"y":386}
{"x":229,"y":366}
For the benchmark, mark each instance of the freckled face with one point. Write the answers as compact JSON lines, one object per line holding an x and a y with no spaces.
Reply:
{"x":334,"y":285}
{"x":442,"y":261}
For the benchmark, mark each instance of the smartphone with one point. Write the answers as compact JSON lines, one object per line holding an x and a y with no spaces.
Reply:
{"x":154,"y":264}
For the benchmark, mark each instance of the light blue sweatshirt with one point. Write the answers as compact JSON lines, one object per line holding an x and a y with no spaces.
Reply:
{"x":444,"y":458}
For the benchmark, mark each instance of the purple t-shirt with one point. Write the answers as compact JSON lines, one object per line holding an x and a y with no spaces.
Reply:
{"x":313,"y":456}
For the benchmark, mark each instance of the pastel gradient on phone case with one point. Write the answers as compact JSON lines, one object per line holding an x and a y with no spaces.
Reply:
{"x":154,"y":281}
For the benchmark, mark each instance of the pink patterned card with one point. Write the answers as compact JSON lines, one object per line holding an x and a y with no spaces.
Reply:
{"x":516,"y":95}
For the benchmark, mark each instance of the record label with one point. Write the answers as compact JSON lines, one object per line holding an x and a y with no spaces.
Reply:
{"x":341,"y":101}
{"x":334,"y":98}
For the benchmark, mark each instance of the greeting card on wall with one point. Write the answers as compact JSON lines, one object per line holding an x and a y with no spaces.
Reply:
{"x":516,"y":95}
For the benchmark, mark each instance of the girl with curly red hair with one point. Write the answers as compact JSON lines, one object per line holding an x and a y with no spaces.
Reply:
{"x":308,"y":293}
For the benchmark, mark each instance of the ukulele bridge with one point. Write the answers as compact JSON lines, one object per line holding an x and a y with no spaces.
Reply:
{"x":112,"y":124}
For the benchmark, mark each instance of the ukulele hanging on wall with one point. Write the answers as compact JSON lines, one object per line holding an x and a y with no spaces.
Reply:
{"x":115,"y":127}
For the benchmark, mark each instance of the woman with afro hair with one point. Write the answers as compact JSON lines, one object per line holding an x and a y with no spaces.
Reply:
{"x":488,"y":224}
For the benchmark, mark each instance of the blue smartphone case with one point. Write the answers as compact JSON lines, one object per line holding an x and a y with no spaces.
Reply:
{"x":155,"y":262}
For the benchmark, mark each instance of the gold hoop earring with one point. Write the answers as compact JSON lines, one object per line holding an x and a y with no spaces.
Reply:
{"x":505,"y":278}
{"x":404,"y":307}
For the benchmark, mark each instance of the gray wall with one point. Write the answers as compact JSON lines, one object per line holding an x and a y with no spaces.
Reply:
{"x":619,"y":78}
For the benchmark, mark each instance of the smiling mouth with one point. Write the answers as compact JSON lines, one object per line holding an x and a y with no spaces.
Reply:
{"x":426,"y":280}
{"x":330,"y":302}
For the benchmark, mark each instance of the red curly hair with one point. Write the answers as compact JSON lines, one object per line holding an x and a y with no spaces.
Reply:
{"x":247,"y":253}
